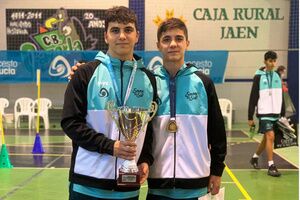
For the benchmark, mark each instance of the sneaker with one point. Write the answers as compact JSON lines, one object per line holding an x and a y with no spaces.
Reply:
{"x":272,"y":171}
{"x":284,"y":123}
{"x":254,"y":163}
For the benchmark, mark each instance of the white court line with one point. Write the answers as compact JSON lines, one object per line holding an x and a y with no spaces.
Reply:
{"x":44,"y":154}
{"x":27,"y":181}
{"x":52,"y":168}
{"x":228,"y":182}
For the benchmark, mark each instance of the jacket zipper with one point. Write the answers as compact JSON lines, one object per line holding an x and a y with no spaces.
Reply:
{"x":119,"y":137}
{"x":172,"y":80}
{"x":121,"y":75}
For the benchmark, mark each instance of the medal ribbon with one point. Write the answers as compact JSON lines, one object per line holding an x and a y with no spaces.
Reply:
{"x":172,"y":94}
{"x":269,"y":76}
{"x":115,"y":85}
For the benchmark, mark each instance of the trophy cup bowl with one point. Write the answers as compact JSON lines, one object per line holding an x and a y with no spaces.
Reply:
{"x":130,"y":121}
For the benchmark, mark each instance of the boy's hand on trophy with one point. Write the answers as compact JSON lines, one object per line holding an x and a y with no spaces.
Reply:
{"x":144,"y":172}
{"x":125,"y":149}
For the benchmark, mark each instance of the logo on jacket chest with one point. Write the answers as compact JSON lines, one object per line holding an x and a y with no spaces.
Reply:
{"x":138,"y":92}
{"x":103,"y":92}
{"x":191,"y":95}
{"x":265,"y":81}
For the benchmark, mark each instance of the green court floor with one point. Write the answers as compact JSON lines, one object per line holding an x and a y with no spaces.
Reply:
{"x":45,"y":177}
{"x":51,"y":183}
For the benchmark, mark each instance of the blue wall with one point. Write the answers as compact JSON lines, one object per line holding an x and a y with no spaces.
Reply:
{"x":293,"y":56}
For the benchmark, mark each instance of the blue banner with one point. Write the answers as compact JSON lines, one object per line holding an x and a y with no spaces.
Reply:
{"x":211,"y":63}
{"x":21,"y":66}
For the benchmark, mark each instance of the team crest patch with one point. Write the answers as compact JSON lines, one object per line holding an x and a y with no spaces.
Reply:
{"x":138,"y":93}
{"x":191,"y":95}
{"x":103,"y":92}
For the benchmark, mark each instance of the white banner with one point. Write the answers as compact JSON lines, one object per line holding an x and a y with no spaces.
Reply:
{"x":231,"y":25}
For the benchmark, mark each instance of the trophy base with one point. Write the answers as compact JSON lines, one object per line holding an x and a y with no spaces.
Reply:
{"x":127,"y":179}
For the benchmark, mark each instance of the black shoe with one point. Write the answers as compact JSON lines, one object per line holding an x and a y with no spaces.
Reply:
{"x":254,"y":163}
{"x":272,"y":171}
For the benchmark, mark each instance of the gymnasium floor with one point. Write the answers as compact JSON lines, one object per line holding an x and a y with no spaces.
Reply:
{"x":45,"y":177}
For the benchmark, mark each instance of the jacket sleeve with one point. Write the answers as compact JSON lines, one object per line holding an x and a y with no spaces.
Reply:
{"x":146,"y":154}
{"x":254,"y":95}
{"x":74,"y":115}
{"x":215,"y":129}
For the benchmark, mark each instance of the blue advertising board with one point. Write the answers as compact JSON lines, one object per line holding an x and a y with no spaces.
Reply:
{"x":21,"y":66}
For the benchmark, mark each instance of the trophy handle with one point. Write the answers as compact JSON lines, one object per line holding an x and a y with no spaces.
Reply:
{"x":153,"y":110}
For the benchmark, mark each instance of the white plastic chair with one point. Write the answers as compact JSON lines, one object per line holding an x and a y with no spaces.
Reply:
{"x":3,"y":104}
{"x":23,"y":107}
{"x":45,"y":104}
{"x":226,"y":108}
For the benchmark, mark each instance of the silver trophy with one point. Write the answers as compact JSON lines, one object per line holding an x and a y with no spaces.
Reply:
{"x":130,"y":121}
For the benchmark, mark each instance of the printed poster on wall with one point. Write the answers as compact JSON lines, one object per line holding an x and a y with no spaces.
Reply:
{"x":55,"y":29}
{"x":231,"y":25}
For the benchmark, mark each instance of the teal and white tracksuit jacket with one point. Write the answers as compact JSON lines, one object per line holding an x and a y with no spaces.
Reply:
{"x":266,"y":96}
{"x":187,"y":158}
{"x":87,"y":122}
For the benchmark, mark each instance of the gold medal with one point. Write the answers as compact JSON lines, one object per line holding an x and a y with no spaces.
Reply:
{"x":172,"y":126}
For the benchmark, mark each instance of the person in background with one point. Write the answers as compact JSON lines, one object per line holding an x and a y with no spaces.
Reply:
{"x":290,"y":110}
{"x":281,"y":70}
{"x":266,"y":97}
